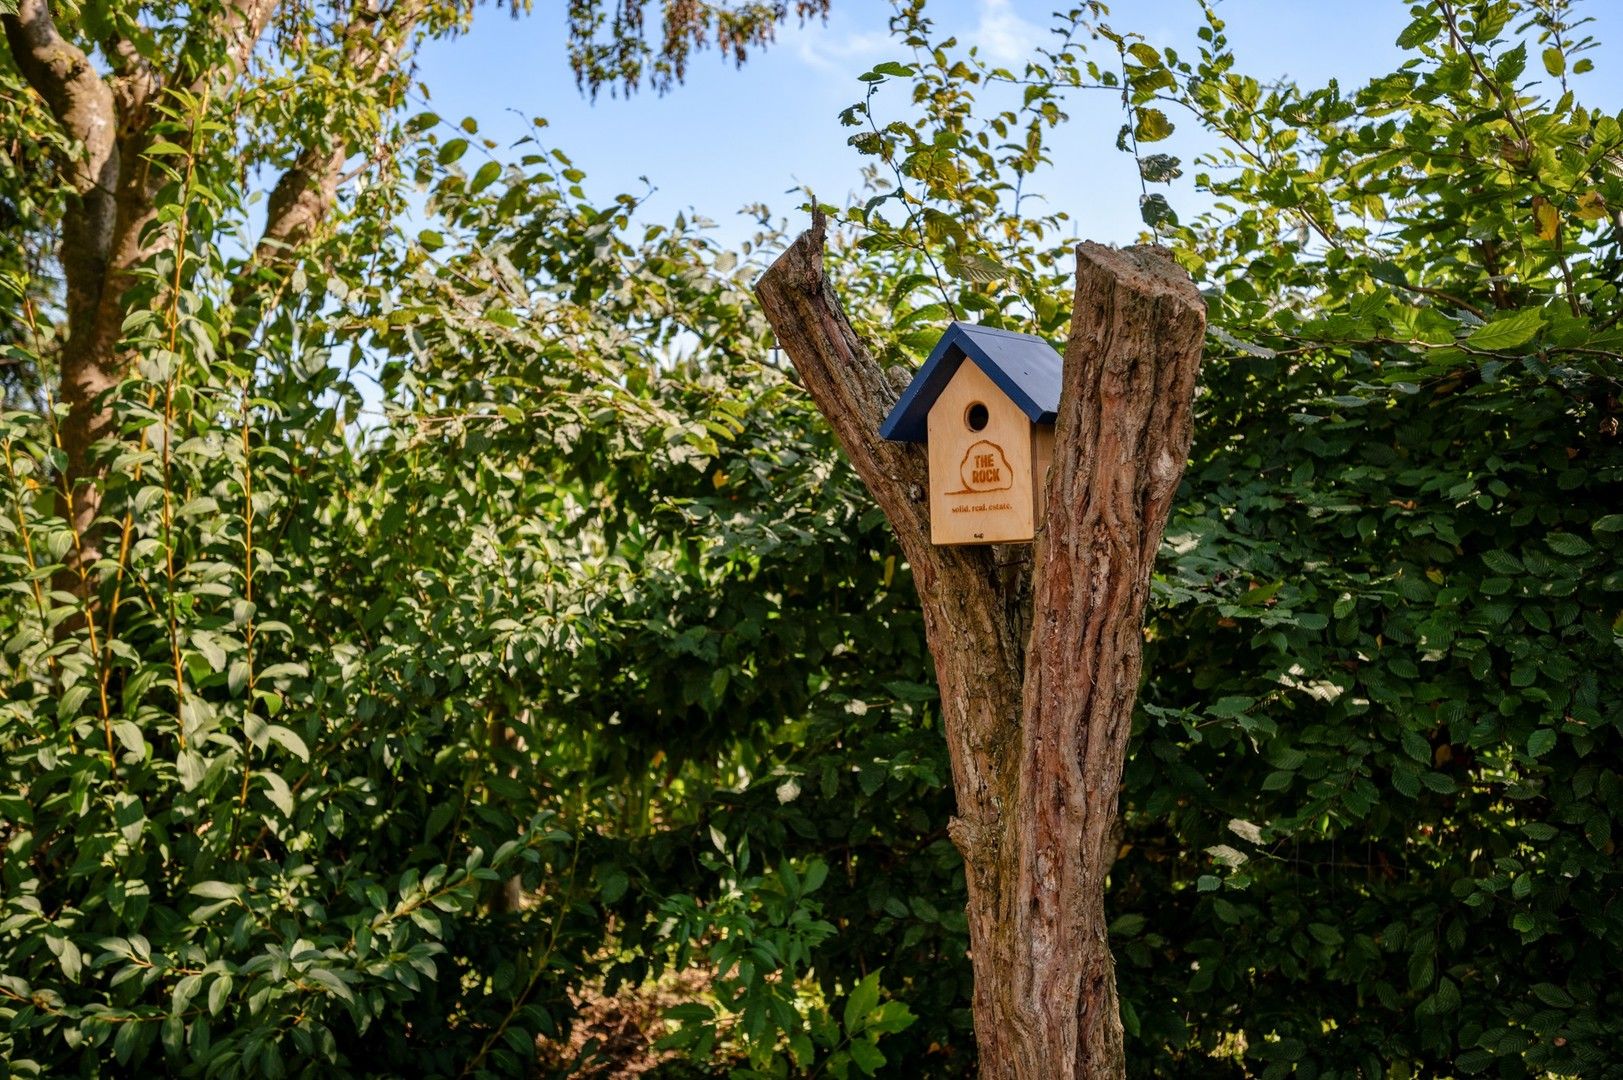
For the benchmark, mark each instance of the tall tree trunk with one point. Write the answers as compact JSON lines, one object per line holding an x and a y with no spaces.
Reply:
{"x":85,"y":107}
{"x":1037,"y":650}
{"x":105,"y":232}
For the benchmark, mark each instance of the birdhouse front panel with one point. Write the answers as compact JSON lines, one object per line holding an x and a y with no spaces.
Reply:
{"x":981,"y":476}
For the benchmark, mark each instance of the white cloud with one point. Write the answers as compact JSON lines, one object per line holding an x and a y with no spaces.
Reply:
{"x":826,"y":51}
{"x":1004,"y":37}
{"x":843,"y":46}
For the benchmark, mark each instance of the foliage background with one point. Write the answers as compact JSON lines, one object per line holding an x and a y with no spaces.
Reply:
{"x":394,"y":733}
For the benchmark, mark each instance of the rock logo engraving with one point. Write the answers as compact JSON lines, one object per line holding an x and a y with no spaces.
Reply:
{"x":984,"y":468}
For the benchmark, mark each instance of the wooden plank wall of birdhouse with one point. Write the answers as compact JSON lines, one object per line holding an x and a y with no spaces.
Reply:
{"x":981,"y":487}
{"x":1042,"y":454}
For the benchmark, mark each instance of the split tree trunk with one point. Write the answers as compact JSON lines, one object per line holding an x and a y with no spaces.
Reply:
{"x":1037,"y":649}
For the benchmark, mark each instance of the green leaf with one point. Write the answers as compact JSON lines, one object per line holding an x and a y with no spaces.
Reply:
{"x":1415,"y":745}
{"x":129,"y":735}
{"x":867,"y":1056}
{"x":975,"y":268}
{"x":127,"y":1039}
{"x":1541,"y":742}
{"x":1147,"y":55}
{"x":1507,"y":331}
{"x":1159,"y":168}
{"x":488,"y":174}
{"x":691,"y":1012}
{"x":236,"y":676}
{"x":1555,"y":61}
{"x":1127,"y":926}
{"x":611,"y":884}
{"x":1491,"y":18}
{"x":173,"y":1031}
{"x":1152,"y":126}
{"x":1231,"y":705}
{"x":1567,"y":544}
{"x":864,"y":996}
{"x":1325,"y":934}
{"x":1553,"y":995}
{"x":219,"y":991}
{"x":189,"y":767}
{"x":331,"y":981}
{"x":1421,"y":30}
{"x":277,"y":791}
{"x":1278,"y":780}
{"x":1156,"y":211}
{"x":1445,"y":999}
{"x":289,"y":740}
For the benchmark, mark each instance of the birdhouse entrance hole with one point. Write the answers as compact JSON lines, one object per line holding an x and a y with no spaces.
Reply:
{"x":977,"y":417}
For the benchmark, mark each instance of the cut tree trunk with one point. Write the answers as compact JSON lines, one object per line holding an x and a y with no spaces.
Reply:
{"x":1037,"y":649}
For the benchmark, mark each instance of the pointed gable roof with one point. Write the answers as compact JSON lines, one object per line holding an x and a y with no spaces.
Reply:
{"x":1024,"y":367}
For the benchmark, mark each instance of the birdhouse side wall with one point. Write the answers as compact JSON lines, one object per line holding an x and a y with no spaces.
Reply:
{"x":1042,"y":455}
{"x":981,"y":481}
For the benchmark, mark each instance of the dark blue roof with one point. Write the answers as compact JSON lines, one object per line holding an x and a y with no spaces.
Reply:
{"x":1025,"y":368}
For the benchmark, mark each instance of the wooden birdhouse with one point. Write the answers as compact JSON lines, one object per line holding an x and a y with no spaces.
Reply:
{"x":985,"y":403}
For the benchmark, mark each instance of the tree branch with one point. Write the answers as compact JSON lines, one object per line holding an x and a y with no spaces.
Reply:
{"x":308,"y":190}
{"x":244,"y":23}
{"x":1121,"y":441}
{"x":965,"y":591}
{"x":81,"y":101}
{"x":83,"y":104}
{"x":135,"y":82}
{"x":848,"y":386}
{"x":235,"y":30}
{"x":974,"y":599}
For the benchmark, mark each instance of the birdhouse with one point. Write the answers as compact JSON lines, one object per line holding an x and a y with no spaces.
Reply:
{"x":985,"y":403}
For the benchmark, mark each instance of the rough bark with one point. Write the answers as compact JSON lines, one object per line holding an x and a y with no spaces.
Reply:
{"x":1037,"y":655}
{"x":83,"y":104}
{"x":105,"y":233}
{"x":104,"y":227}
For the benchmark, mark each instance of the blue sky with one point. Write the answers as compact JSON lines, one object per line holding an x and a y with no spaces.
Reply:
{"x":731,"y":137}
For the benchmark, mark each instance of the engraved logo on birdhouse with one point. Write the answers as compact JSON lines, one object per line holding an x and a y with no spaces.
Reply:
{"x":984,"y":468}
